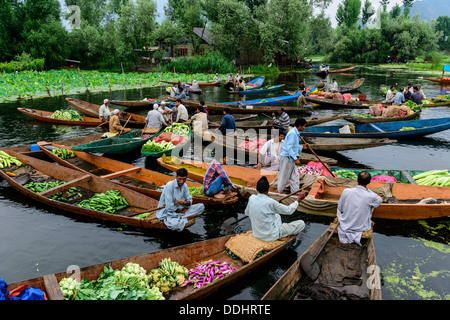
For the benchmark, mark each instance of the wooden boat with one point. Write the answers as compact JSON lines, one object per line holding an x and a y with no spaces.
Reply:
{"x":200,"y":84}
{"x":188,"y":255}
{"x":358,"y":119}
{"x":266,"y":89}
{"x":352,"y":86}
{"x":92,"y":109}
{"x":441,"y":80}
{"x":391,"y":130}
{"x":404,"y":204}
{"x":251,"y":85}
{"x":320,"y":102}
{"x":34,"y":169}
{"x":295,"y":281}
{"x":136,"y":104}
{"x":115,"y":145}
{"x":139,"y":179}
{"x":237,"y":117}
{"x":175,"y":150}
{"x":323,"y":73}
{"x":267,"y":124}
{"x":186,"y":87}
{"x":46,"y":116}
{"x":263,"y":102}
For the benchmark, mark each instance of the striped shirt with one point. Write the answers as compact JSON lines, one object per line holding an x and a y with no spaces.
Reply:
{"x":214,"y":171}
{"x":283,"y":121}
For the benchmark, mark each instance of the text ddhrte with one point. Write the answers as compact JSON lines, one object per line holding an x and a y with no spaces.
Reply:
{"x":226,"y":309}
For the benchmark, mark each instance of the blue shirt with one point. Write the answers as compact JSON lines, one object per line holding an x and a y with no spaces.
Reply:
{"x":399,"y":99}
{"x":227,"y":124}
{"x":291,"y":145}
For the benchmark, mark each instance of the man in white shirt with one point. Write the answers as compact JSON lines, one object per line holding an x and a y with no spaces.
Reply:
{"x":166,"y":112}
{"x":270,"y":152}
{"x":264,"y":213}
{"x":155,"y":120}
{"x":390,"y":95}
{"x":216,"y":78}
{"x":182,"y":114}
{"x":333,"y":85}
{"x":104,"y":113}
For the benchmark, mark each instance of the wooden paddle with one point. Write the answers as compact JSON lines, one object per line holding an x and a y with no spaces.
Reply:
{"x":326,"y":167}
{"x":125,"y":125}
{"x":309,"y":264}
{"x":146,"y":211}
{"x":101,"y":124}
{"x":231,"y":221}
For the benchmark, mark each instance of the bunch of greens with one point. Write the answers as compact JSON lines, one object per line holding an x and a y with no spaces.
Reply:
{"x":345,"y":174}
{"x":109,"y":202}
{"x":195,"y":191}
{"x":70,"y":115}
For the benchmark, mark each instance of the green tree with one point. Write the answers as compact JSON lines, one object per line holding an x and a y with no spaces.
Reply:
{"x":407,"y":5}
{"x":348,"y":12}
{"x":366,"y":12}
{"x":11,"y":27}
{"x":395,"y":12}
{"x":384,"y":4}
{"x":443,"y":27}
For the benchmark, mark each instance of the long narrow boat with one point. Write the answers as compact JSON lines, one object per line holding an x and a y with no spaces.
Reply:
{"x":92,"y":109}
{"x":115,"y":145}
{"x":188,"y":255}
{"x":294,"y":284}
{"x":323,"y":73}
{"x":262,"y":90}
{"x":371,"y":119}
{"x":200,"y":84}
{"x":441,"y":80}
{"x":136,"y":104}
{"x":392,"y":130}
{"x":401,"y":201}
{"x":267,"y":124}
{"x":264,"y":102}
{"x":133,"y":177}
{"x":87,"y":185}
{"x":46,"y":116}
{"x":251,"y":85}
{"x":320,"y":102}
{"x":352,"y":86}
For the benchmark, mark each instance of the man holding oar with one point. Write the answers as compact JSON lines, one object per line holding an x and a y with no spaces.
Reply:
{"x":289,"y":157}
{"x":264,"y":213}
{"x":114,"y":123}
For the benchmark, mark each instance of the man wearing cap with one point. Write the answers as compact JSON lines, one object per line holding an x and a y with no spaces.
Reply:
{"x":114,"y":124}
{"x":216,"y":78}
{"x":103,"y":113}
{"x":166,"y":112}
{"x":155,"y":120}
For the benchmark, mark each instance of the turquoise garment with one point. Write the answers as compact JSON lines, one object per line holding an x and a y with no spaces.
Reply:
{"x":172,"y":193}
{"x":291,"y":145}
{"x":264,"y":213}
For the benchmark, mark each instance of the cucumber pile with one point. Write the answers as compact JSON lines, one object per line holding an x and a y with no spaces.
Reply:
{"x":6,"y":160}
{"x":109,"y":202}
{"x":42,"y":186}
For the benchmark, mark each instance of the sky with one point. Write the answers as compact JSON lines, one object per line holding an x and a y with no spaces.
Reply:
{"x":330,"y":12}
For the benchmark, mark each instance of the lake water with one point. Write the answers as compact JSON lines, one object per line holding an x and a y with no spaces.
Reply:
{"x":413,"y":255}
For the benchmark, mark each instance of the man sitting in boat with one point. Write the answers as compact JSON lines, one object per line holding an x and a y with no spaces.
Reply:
{"x":216,"y":182}
{"x":103,"y":113}
{"x":228,"y":125}
{"x":199,"y":121}
{"x":354,"y":211}
{"x":166,"y":112}
{"x":264,"y":213}
{"x":283,"y":121}
{"x":216,"y":78}
{"x":416,"y":96}
{"x":178,"y":203}
{"x":390,"y":95}
{"x":407,"y":94}
{"x":155,"y":120}
{"x":271,"y":150}
{"x":181,"y":112}
{"x":399,"y":98}
{"x":114,"y":123}
{"x":241,"y":85}
{"x":301,"y":101}
{"x":333,"y":87}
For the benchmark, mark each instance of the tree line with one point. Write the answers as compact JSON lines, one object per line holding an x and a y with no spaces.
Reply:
{"x":107,"y":32}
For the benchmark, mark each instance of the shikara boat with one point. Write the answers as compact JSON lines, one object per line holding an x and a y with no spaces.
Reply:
{"x":393,"y":130}
{"x":87,"y":185}
{"x":352,"y":86}
{"x":251,"y":85}
{"x":237,"y":117}
{"x":262,"y":90}
{"x":359,"y":119}
{"x":139,"y":179}
{"x":91,"y":109}
{"x":200,"y":84}
{"x":46,"y":116}
{"x":240,"y":176}
{"x":188,"y":255}
{"x":343,"y":70}
{"x":441,"y":80}
{"x":267,"y":124}
{"x":401,"y":201}
{"x":294,"y":284}
{"x":174,"y":150}
{"x":115,"y":145}
{"x":136,"y":104}
{"x":263,"y":102}
{"x":323,"y":103}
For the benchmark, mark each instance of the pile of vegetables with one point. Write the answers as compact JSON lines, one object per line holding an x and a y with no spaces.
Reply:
{"x":364,"y":115}
{"x":70,"y":115}
{"x":345,"y":174}
{"x":109,"y":202}
{"x":169,"y":275}
{"x":176,"y":134}
{"x":195,"y":191}
{"x":440,"y":178}
{"x":6,"y":160}
{"x":129,"y":283}
{"x":310,"y":170}
{"x":179,"y":129}
{"x":42,"y":186}
{"x":153,"y":146}
{"x":71,"y":192}
{"x":414,"y":106}
{"x":207,"y":271}
{"x":63,"y":153}
{"x":407,"y":129}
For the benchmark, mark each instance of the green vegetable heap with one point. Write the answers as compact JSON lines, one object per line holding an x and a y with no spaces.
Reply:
{"x":412,"y":105}
{"x":71,"y":115}
{"x":440,"y":178}
{"x":109,"y":202}
{"x":345,"y":174}
{"x":169,"y":275}
{"x":195,"y":191}
{"x":42,"y":186}
{"x":129,"y":283}
{"x":63,"y":153}
{"x":153,"y":146}
{"x":71,"y":192}
{"x":6,"y":160}
{"x":180,"y":129}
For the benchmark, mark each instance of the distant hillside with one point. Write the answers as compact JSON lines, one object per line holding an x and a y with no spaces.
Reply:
{"x":430,"y":9}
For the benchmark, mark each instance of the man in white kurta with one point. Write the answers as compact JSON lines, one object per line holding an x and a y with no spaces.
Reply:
{"x":355,"y":209}
{"x":264,"y":213}
{"x":103,"y":112}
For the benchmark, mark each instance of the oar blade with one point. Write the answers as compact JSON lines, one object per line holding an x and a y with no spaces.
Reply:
{"x":312,"y":270}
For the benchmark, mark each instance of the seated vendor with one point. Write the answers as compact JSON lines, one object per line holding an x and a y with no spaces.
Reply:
{"x":216,"y":182}
{"x":114,"y":123}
